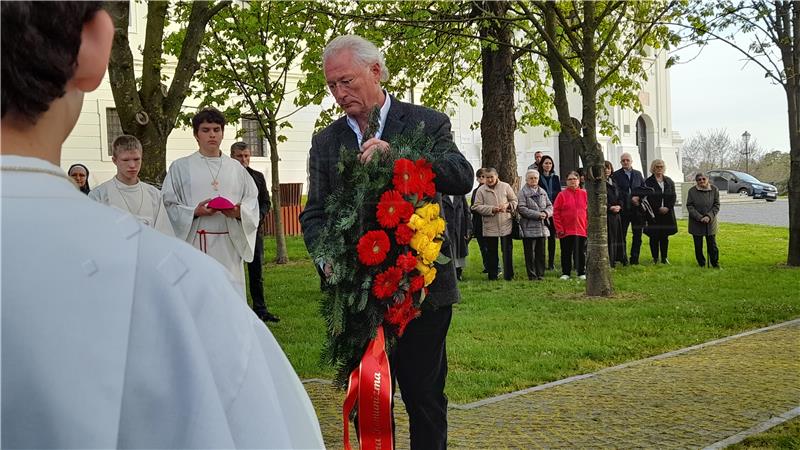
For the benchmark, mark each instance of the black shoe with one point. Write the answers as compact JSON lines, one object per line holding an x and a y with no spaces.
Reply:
{"x":551,"y":267}
{"x":634,"y":262}
{"x":655,"y":261}
{"x":624,"y":262}
{"x":665,"y":261}
{"x":269,"y":317}
{"x":485,"y":271}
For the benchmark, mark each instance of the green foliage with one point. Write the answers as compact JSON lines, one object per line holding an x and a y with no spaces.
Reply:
{"x":252,"y":48}
{"x":352,"y":314}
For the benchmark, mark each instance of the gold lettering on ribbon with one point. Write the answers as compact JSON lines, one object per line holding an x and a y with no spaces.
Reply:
{"x":376,"y":409}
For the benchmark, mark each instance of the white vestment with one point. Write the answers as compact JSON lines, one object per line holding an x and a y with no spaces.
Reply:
{"x":140,"y":199}
{"x":116,"y":336}
{"x":190,"y":180}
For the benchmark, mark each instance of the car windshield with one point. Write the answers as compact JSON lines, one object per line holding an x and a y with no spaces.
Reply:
{"x":746,"y":177}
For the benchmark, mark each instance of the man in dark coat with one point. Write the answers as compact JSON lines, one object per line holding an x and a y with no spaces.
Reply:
{"x":459,"y":228}
{"x":240,"y":151}
{"x":627,"y":180}
{"x":354,"y":69}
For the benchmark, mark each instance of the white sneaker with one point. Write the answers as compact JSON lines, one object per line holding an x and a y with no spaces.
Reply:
{"x":564,"y":277}
{"x":582,"y":277}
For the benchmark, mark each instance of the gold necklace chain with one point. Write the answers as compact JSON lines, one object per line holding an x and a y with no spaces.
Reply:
{"x":214,"y":182}
{"x":141,"y":198}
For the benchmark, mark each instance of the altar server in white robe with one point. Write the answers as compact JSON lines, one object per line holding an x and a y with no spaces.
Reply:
{"x":193,"y":181}
{"x":127,"y":192}
{"x":114,"y":335}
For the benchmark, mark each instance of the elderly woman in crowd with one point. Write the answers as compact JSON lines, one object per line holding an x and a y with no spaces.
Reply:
{"x":569,"y":216}
{"x":495,"y":201}
{"x":662,"y":201}
{"x":616,"y":241}
{"x":80,"y":174}
{"x":534,"y":208}
{"x":550,"y":182}
{"x":703,"y":206}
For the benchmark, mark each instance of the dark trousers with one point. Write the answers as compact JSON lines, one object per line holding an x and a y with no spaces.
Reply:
{"x":507,"y":245}
{"x":484,"y":251}
{"x":659,"y":242}
{"x":569,"y":246}
{"x":534,"y":256}
{"x":254,"y":273}
{"x":419,"y":365}
{"x":629,"y":219}
{"x":713,"y":251}
{"x":551,"y":243}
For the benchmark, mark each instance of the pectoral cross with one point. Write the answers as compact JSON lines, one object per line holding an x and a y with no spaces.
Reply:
{"x":215,"y":184}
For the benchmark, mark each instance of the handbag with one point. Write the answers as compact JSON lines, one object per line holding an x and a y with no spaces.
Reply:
{"x":516,"y":226}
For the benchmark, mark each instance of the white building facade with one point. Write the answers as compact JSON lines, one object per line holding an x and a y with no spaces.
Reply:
{"x":646,"y":135}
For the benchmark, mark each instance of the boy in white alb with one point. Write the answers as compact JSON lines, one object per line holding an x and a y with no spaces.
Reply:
{"x":126,"y":192}
{"x":193,"y":181}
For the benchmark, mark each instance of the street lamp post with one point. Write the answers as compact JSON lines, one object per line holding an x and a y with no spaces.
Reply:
{"x":746,"y":137}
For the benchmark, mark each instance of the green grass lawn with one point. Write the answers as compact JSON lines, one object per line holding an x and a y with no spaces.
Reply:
{"x":507,"y":336}
{"x":785,"y":436}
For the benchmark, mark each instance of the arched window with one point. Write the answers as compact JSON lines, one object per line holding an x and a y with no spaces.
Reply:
{"x":641,"y":142}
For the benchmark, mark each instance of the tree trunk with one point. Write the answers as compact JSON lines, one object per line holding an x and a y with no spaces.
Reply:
{"x":282,"y":256}
{"x":791,"y":61}
{"x":498,"y":122}
{"x":150,"y":112}
{"x":598,"y":272}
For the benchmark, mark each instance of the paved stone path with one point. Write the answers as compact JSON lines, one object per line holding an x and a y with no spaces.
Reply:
{"x":709,"y":395}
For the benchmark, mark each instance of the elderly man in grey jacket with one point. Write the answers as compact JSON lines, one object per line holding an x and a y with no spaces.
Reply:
{"x":354,"y":69}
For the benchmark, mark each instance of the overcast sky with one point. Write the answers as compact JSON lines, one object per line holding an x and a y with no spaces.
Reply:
{"x":719,"y":89}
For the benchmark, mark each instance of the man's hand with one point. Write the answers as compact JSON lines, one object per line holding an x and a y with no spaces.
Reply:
{"x":615,"y":208}
{"x":705,"y":219}
{"x":542,"y":215}
{"x":202,"y":210}
{"x":235,"y":213}
{"x":635,"y":201}
{"x":327,"y":269}
{"x":663,"y":210}
{"x":369,"y":148}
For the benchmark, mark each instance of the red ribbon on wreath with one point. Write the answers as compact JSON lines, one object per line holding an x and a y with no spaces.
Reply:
{"x":371,"y":387}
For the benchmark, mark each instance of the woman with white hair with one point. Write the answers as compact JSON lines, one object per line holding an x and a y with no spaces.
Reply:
{"x":662,"y":201}
{"x":534,"y":208}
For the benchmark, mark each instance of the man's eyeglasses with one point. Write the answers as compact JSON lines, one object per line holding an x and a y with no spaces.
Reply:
{"x":701,"y":179}
{"x":344,"y":84}
{"x":625,"y":160}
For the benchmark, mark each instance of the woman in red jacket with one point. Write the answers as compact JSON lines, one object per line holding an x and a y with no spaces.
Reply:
{"x":569,"y":217}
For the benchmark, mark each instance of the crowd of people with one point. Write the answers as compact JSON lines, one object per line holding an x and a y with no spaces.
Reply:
{"x":543,"y":210}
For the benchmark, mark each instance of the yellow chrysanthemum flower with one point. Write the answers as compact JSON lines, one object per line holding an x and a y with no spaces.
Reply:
{"x":429,"y":277}
{"x":416,"y":222}
{"x":419,"y":241}
{"x":431,"y":251}
{"x":423,"y":268}
{"x":429,"y":212}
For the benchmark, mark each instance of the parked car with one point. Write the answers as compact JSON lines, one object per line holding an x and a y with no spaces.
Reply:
{"x":742,"y":183}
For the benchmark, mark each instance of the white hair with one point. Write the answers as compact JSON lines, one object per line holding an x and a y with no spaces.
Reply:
{"x":530,"y":171}
{"x":363,"y":51}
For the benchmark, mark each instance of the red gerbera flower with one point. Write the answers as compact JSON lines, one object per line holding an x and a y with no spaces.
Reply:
{"x":372,"y":247}
{"x":401,"y":314}
{"x":405,"y":177}
{"x":424,"y":183}
{"x":387,"y":283}
{"x":407,"y":262}
{"x":417,"y":283}
{"x":403,"y":234}
{"x":392,"y":209}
